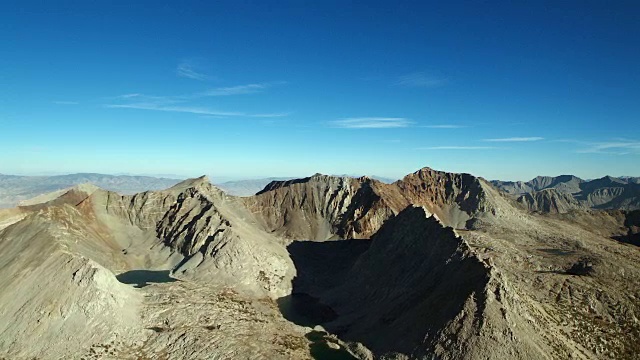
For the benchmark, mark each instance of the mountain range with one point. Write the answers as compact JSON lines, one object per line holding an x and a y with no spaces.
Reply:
{"x":566,"y":192}
{"x":15,"y":188}
{"x":435,"y":265}
{"x":543,"y":193}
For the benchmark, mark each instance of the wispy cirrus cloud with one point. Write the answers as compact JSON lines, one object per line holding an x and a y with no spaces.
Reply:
{"x":444,"y":126}
{"x":614,"y":147}
{"x":236,"y":90}
{"x":127,"y":96}
{"x":272,"y":115}
{"x":371,"y":123}
{"x":420,"y":79}
{"x":192,"y":110}
{"x":66,"y":102}
{"x":190,"y":103}
{"x":188,"y":69}
{"x":221,"y":91}
{"x":455,"y":147}
{"x":143,"y":98}
{"x":168,"y":108}
{"x":515,"y":139}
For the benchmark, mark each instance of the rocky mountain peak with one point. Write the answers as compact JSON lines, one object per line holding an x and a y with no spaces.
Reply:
{"x":424,"y":172}
{"x":189,"y":183}
{"x":315,"y":178}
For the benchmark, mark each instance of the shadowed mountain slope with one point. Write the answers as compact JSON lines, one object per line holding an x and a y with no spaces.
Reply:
{"x":416,"y":261}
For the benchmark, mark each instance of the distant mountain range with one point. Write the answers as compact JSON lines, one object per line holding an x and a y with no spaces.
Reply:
{"x":565,"y":192}
{"x":247,"y":187}
{"x":14,"y":188}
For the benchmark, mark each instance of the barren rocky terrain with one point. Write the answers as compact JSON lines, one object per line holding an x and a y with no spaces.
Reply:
{"x":433,"y":266}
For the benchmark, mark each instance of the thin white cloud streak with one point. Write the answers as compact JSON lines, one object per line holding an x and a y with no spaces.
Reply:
{"x":66,"y":102}
{"x":128,"y":96}
{"x":184,"y":109}
{"x":371,"y":123}
{"x":223,"y":91}
{"x":213,"y":117}
{"x":236,"y":90}
{"x":420,"y":79}
{"x":186,"y":70}
{"x":272,"y":115}
{"x":193,"y":110}
{"x":444,"y":126}
{"x":458,"y":148}
{"x":516,"y":139}
{"x":615,"y":147}
{"x":180,"y":103}
{"x":618,"y":146}
{"x":148,"y":99}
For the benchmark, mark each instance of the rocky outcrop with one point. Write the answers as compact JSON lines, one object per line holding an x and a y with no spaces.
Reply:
{"x":631,"y":231}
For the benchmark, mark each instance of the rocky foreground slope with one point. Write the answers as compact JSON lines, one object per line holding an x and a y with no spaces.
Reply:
{"x":435,"y":265}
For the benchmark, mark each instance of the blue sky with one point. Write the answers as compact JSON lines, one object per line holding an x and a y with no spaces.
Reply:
{"x":238,"y":89}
